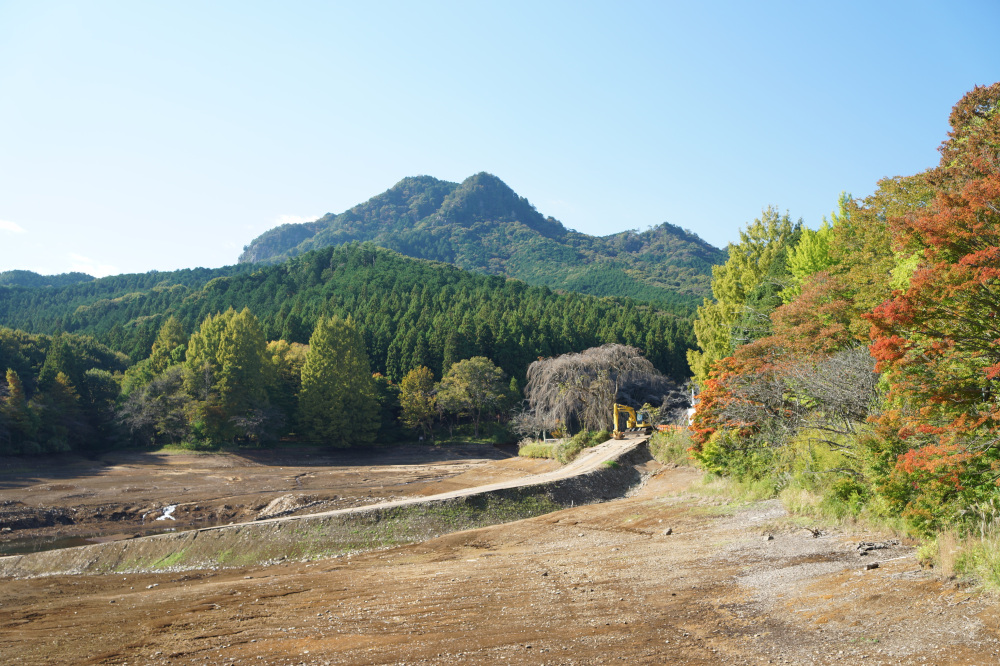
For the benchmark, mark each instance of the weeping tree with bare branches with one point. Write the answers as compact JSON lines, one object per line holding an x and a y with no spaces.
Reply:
{"x":831,"y":396}
{"x":581,"y":389}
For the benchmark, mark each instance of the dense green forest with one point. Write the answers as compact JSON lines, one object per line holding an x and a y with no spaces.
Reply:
{"x":59,"y":391}
{"x":32,"y":279}
{"x":239,"y":355}
{"x":854,"y":369}
{"x":482,"y":225}
{"x":411,"y":312}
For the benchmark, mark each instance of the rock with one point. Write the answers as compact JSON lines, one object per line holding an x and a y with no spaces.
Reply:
{"x":871,"y":565}
{"x":769,"y":537}
{"x":668,"y":531}
{"x":865,"y":547}
{"x":280,"y":506}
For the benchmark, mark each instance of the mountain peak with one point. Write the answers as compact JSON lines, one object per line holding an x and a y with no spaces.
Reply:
{"x":482,"y":224}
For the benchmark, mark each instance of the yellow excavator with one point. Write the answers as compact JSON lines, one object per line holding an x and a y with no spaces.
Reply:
{"x":640,"y":422}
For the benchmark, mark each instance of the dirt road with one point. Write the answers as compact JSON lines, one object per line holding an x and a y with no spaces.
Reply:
{"x":663,"y":576}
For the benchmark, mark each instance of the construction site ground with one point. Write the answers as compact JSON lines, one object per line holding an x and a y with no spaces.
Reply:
{"x":669,"y":574}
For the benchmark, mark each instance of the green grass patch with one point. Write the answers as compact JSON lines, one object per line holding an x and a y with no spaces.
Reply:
{"x":537,"y":450}
{"x":169,"y":560}
{"x":973,"y":552}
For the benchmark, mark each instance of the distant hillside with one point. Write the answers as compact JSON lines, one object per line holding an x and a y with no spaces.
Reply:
{"x":482,"y":225}
{"x":411,"y":312}
{"x":32,"y":279}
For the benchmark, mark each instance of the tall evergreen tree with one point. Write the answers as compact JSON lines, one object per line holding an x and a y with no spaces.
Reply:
{"x":63,"y":426}
{"x":20,"y":423}
{"x":243,"y":366}
{"x":58,"y":359}
{"x":169,"y":346}
{"x":337,"y":402}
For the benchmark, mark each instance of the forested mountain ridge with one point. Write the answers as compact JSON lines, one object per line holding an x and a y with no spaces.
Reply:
{"x":31,"y":279}
{"x":482,"y":225}
{"x":411,"y":312}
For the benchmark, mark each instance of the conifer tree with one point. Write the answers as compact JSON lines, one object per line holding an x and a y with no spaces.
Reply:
{"x":169,"y":346}
{"x":337,"y":402}
{"x":58,"y":359}
{"x":242,"y":383}
{"x":62,"y":425}
{"x":203,"y":346}
{"x":21,"y":426}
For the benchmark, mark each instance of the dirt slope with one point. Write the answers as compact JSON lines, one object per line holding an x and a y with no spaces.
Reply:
{"x":662,"y":576}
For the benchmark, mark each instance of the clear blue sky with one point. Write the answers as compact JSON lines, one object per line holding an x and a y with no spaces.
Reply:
{"x":137,"y":135}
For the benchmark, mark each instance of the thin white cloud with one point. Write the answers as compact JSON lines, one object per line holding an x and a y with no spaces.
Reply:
{"x":90,"y":266}
{"x":12,"y":227}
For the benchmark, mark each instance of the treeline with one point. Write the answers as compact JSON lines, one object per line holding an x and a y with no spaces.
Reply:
{"x":58,"y":393}
{"x":857,"y":367}
{"x":32,"y":279}
{"x":411,"y":313}
{"x":225,"y":385}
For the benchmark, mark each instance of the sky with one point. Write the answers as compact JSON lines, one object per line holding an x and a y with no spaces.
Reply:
{"x":138,"y":136}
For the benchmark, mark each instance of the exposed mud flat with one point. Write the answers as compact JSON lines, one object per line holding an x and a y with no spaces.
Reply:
{"x":123,"y":494}
{"x":660,"y":576}
{"x":327,"y":534}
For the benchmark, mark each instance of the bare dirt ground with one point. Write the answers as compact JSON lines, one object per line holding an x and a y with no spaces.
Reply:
{"x":123,"y":494}
{"x":666,"y":575}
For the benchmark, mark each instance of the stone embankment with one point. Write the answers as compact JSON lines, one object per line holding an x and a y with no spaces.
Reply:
{"x":604,"y":472}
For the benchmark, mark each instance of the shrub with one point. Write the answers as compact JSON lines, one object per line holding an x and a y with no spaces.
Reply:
{"x":672,"y":447}
{"x":571,"y":448}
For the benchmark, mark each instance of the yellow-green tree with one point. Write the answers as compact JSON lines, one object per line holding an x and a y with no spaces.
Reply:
{"x":812,"y":253}
{"x":416,"y":399}
{"x":337,"y":401}
{"x":202,"y":356}
{"x":746,"y":290}
{"x":287,"y":359}
{"x":245,"y":373}
{"x":169,"y":347}
{"x":227,"y":373}
{"x":15,"y":414}
{"x":474,"y":387}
